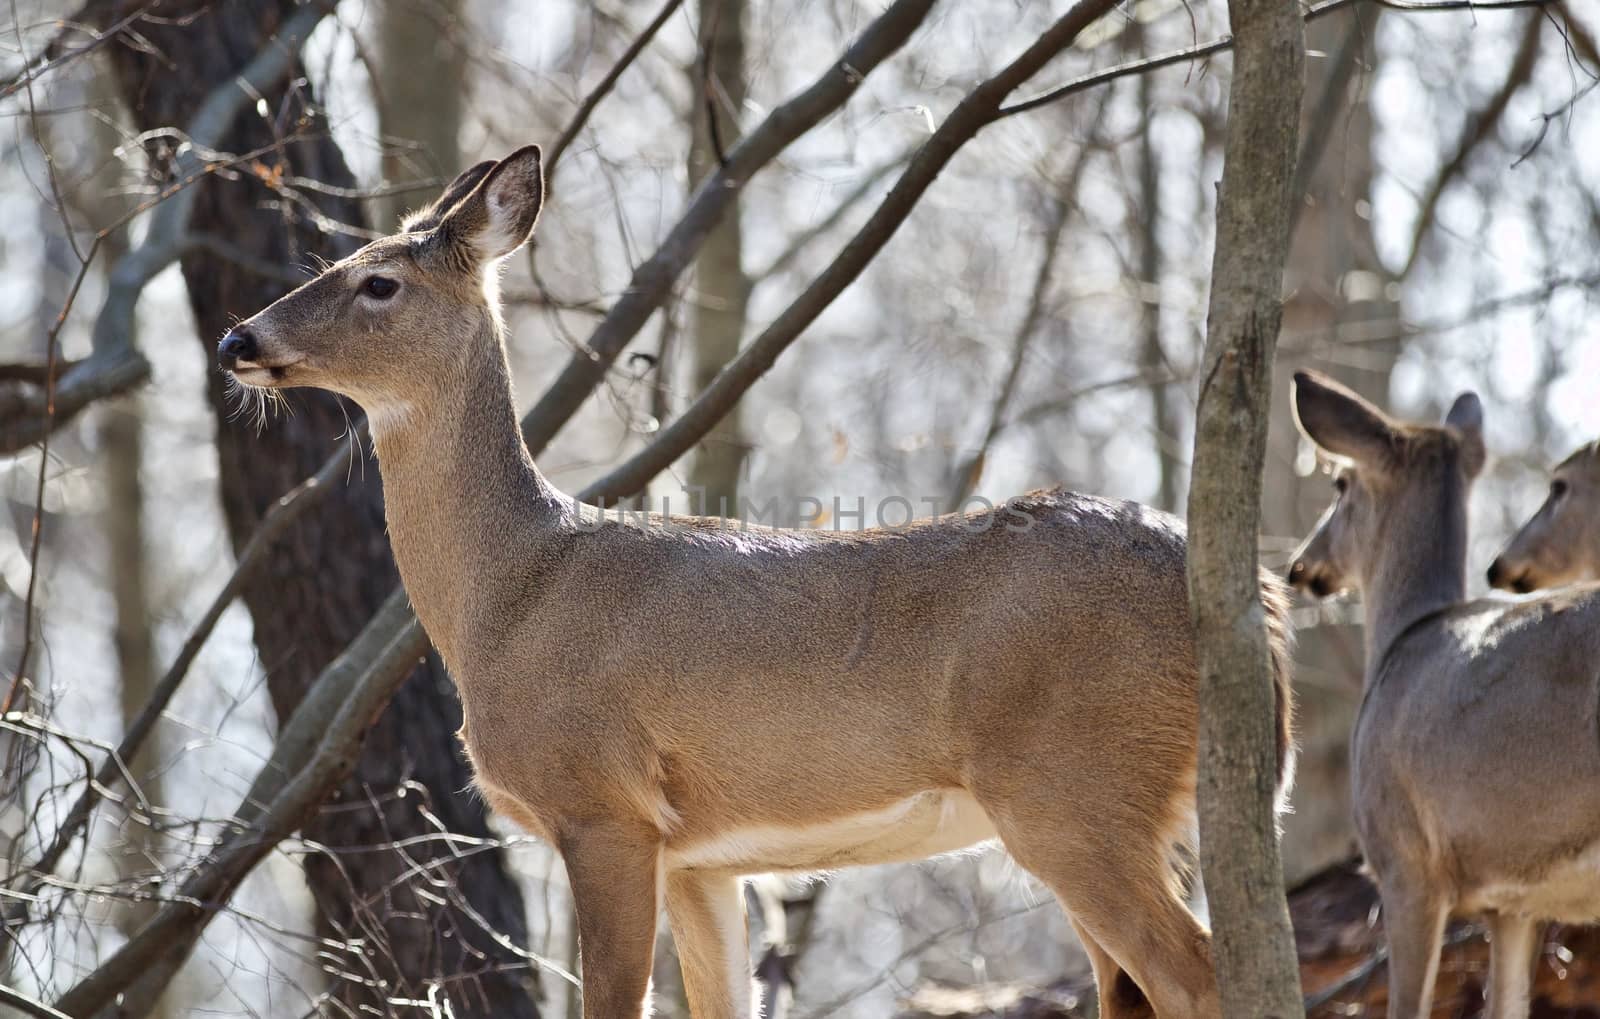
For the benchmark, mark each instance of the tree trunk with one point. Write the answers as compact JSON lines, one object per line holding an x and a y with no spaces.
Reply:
{"x":1253,"y":949}
{"x":332,"y":570}
{"x":721,"y":293}
{"x":420,"y":114}
{"x":1152,"y":358}
{"x":140,"y":851}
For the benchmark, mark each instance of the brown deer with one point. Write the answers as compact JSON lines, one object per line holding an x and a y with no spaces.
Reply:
{"x":1560,"y":544}
{"x":675,"y":702}
{"x":1475,"y":761}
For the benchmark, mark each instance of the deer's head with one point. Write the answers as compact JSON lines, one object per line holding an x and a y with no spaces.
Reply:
{"x":1389,"y":478}
{"x":1561,"y":543}
{"x":398,"y":316}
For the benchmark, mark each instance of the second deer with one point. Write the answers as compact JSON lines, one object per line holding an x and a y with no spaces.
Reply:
{"x":672,"y":704}
{"x":1475,"y":761}
{"x":1560,"y":544}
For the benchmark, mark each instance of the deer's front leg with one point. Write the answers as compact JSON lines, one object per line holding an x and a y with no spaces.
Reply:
{"x":614,"y":871}
{"x":708,"y":927}
{"x":1511,"y":954}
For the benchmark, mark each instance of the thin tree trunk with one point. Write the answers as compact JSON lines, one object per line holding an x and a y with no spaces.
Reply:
{"x":332,"y":570}
{"x":420,"y":114}
{"x":1152,"y":359}
{"x":1257,"y":972}
{"x":721,"y":295}
{"x":139,"y":852}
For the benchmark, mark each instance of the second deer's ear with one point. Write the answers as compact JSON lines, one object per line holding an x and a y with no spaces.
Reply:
{"x":1339,"y":421}
{"x":1466,"y":417}
{"x":428,"y":217}
{"x":498,"y":216}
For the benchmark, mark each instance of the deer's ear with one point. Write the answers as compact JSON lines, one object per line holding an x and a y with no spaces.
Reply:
{"x":429,"y":216}
{"x":1466,"y":417}
{"x":1341,"y":422}
{"x":498,"y":216}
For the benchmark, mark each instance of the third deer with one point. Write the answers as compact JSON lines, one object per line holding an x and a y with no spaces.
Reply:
{"x":1475,"y":761}
{"x":1560,"y":544}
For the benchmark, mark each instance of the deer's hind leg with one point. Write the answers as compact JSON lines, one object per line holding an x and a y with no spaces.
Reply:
{"x":1116,"y":882}
{"x":1413,"y":918}
{"x":1120,"y":997}
{"x":708,"y":927}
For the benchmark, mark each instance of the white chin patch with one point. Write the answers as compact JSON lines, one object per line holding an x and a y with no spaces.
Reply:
{"x":252,"y":375}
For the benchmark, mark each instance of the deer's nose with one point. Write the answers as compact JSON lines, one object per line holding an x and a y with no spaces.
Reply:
{"x":238,"y":345}
{"x":1497,"y":573}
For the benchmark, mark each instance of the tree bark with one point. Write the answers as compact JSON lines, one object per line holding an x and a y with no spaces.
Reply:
{"x":1152,"y":358}
{"x":721,"y":288}
{"x":332,"y":570}
{"x":420,"y":114}
{"x":1253,"y":948}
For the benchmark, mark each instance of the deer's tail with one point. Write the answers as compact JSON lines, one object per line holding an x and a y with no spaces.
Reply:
{"x":1280,"y":649}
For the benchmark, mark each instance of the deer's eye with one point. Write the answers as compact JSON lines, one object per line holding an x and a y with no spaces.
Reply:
{"x":1341,"y":484}
{"x":380,"y":287}
{"x":1558,"y":488}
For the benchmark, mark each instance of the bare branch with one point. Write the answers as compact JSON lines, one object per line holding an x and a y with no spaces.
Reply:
{"x":600,"y":91}
{"x":980,"y":108}
{"x":115,"y":364}
{"x":1224,"y":43}
{"x":285,"y":512}
{"x":1479,"y":126}
{"x":653,"y":280}
{"x":55,"y":54}
{"x":18,"y":1000}
{"x":862,"y":188}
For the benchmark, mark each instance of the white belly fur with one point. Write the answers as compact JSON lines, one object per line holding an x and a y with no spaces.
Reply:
{"x":1569,"y":892}
{"x":927,"y":824}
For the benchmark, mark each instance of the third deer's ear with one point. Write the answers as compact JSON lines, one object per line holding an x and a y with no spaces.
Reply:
{"x":497,"y":217}
{"x":1341,"y":422}
{"x":1466,"y":417}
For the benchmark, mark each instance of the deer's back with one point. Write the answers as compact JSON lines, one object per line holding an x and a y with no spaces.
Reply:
{"x":880,"y":662}
{"x":1478,"y":752}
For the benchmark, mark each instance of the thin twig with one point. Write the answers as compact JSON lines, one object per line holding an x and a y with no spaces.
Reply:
{"x":980,"y":108}
{"x":17,"y":999}
{"x":600,"y":91}
{"x":1480,"y":124}
{"x":289,"y":508}
{"x":653,"y":280}
{"x":1223,"y":43}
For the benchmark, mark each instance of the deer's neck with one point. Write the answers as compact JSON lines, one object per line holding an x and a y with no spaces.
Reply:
{"x":470,"y":516}
{"x":1420,"y":571}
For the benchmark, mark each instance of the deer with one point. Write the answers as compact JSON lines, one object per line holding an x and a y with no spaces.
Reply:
{"x":1560,"y":544}
{"x":1475,"y":757}
{"x":674,"y":703}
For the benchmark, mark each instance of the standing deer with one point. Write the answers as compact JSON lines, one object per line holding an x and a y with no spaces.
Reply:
{"x":1561,"y":543}
{"x":1475,"y":761}
{"x":676,"y":702}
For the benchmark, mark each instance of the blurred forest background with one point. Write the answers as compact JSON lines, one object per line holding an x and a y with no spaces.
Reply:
{"x":1036,"y":319}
